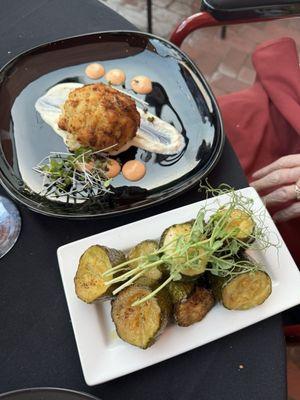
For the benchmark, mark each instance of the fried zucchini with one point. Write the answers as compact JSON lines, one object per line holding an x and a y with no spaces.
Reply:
{"x":183,"y":231}
{"x":152,"y":275}
{"x":243,"y":291}
{"x":194,"y":307}
{"x":140,"y":325}
{"x":89,"y":283}
{"x":237,"y":224}
{"x":179,"y":290}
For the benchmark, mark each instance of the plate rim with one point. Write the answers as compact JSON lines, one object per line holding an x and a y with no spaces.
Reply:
{"x":34,"y":205}
{"x":91,"y":379}
{"x":48,"y":389}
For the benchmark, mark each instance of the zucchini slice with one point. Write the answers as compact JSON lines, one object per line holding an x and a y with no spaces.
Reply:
{"x":151,"y":276}
{"x":179,"y":290}
{"x":244,"y":291}
{"x":142,"y":324}
{"x":194,"y":307}
{"x":183,"y":231}
{"x":238,"y":224}
{"x":89,"y":283}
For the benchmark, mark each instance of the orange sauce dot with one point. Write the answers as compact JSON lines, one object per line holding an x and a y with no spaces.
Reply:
{"x":115,"y":77}
{"x":141,"y":84}
{"x":80,"y":166}
{"x":114,"y":168}
{"x":134,"y":170}
{"x":94,"y":71}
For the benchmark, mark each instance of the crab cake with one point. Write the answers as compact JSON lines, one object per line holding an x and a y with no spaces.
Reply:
{"x":99,"y":116}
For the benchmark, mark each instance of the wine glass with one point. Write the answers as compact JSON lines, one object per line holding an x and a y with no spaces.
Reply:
{"x":10,"y":225}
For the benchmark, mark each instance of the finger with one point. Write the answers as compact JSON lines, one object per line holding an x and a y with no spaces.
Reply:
{"x":290,"y":161}
{"x":281,"y":195}
{"x":288,"y":213}
{"x":277,"y":178}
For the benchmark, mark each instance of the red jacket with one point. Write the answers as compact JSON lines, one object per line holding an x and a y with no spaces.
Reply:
{"x":263,"y":122}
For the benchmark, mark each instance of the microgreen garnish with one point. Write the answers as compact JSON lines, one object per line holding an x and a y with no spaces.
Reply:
{"x":78,"y":176}
{"x":212,"y":239}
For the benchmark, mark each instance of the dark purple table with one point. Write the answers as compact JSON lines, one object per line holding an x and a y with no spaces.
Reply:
{"x":37,"y":346}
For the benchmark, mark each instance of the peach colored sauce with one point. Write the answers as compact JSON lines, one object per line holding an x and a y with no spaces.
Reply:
{"x":134,"y":170}
{"x":94,"y":71}
{"x":114,"y":168}
{"x":115,"y":77}
{"x":85,"y":166}
{"x":141,"y":84}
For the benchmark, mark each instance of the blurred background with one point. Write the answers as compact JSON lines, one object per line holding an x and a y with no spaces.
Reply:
{"x":226,"y":63}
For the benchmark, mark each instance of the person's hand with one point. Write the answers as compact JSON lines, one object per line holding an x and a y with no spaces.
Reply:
{"x":284,"y":176}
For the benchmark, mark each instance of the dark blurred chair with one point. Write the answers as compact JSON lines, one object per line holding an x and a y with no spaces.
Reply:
{"x":149,"y":16}
{"x":229,"y":12}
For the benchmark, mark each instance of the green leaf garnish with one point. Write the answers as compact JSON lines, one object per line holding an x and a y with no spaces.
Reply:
{"x":80,"y":175}
{"x":210,"y":236}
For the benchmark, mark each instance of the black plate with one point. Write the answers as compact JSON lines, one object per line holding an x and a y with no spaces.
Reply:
{"x":180,"y":96}
{"x":46,"y":394}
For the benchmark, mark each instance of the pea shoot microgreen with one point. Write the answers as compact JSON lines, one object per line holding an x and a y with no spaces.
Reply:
{"x":212,"y":241}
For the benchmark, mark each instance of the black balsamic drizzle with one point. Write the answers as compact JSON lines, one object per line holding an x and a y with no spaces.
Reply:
{"x":158,"y":99}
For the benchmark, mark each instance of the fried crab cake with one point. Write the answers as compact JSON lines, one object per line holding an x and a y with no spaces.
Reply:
{"x":99,"y":116}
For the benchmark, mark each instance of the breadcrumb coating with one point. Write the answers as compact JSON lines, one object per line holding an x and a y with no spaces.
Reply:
{"x":100,"y":116}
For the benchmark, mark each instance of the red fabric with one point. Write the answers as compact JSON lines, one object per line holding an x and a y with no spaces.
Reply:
{"x":263,"y":122}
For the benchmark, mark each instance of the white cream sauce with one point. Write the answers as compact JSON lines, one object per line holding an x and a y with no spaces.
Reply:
{"x":154,"y":134}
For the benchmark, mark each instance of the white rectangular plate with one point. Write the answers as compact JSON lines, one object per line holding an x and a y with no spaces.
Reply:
{"x":104,"y":356}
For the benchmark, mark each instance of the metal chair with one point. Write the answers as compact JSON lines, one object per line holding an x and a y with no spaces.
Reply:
{"x":149,"y":16}
{"x":232,"y":12}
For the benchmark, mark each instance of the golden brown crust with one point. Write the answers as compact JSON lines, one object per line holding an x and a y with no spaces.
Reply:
{"x":246,"y":290}
{"x":100,"y":116}
{"x":140,"y":325}
{"x":194,"y":308}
